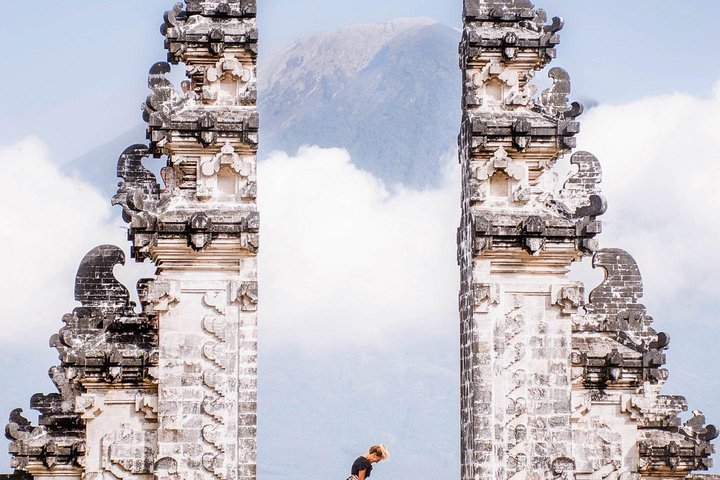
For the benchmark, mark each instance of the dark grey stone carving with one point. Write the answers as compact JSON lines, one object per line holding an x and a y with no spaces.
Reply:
{"x":630,"y":353}
{"x":138,"y":195}
{"x":555,"y":98}
{"x":146,"y":208}
{"x":103,"y":341}
{"x":215,"y":25}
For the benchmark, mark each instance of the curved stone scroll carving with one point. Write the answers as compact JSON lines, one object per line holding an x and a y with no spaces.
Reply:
{"x":581,"y":191}
{"x":615,"y":300}
{"x":131,"y":169}
{"x":163,"y":92}
{"x":103,"y":341}
{"x":632,"y":352}
{"x":554,"y":100}
{"x":137,"y":195}
{"x":95,"y":282}
{"x":539,"y":23}
{"x":555,"y":26}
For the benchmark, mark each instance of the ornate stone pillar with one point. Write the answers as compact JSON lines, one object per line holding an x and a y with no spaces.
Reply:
{"x":547,"y":379}
{"x":517,"y":240}
{"x":201,"y":230}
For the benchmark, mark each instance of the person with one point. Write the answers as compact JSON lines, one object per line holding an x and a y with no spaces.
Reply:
{"x":362,"y":466}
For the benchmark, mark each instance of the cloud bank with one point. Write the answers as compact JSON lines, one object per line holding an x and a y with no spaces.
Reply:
{"x":345,"y":260}
{"x":661,"y":163}
{"x":49,"y":222}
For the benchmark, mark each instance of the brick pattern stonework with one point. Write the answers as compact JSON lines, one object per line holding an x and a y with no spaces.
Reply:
{"x":552,"y":386}
{"x":106,"y":384}
{"x":170,"y":392}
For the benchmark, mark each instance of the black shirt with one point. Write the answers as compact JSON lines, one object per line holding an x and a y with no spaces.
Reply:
{"x":361,"y":463}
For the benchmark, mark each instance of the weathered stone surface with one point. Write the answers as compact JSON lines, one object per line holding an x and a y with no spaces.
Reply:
{"x":617,"y":360}
{"x":201,"y":230}
{"x":103,"y":345}
{"x":552,"y":386}
{"x":169,"y":392}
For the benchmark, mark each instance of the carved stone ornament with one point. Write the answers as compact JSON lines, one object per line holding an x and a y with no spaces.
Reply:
{"x":552,"y":386}
{"x":103,"y":342}
{"x":229,"y":82}
{"x":239,"y":172}
{"x":485,"y":296}
{"x":168,"y":390}
{"x":128,"y":452}
{"x":568,"y":297}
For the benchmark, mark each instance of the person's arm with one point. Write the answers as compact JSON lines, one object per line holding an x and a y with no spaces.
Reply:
{"x":361,"y":475}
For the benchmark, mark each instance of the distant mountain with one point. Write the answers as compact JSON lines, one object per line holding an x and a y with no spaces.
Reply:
{"x":388,"y":93}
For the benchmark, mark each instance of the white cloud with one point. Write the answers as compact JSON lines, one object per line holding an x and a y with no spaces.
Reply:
{"x":49,"y":222}
{"x":661,"y":165}
{"x":344,"y":261}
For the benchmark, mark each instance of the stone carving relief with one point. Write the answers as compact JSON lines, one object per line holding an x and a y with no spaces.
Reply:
{"x":496,"y":84}
{"x":194,"y":26}
{"x":555,"y":101}
{"x":502,"y":179}
{"x":163,"y":95}
{"x":580,"y":196}
{"x":147,"y":405}
{"x":137,"y":194}
{"x":103,"y":342}
{"x":229,"y":82}
{"x":485,"y":296}
{"x":162,"y":295}
{"x":621,"y":354}
{"x":246,"y":295}
{"x":511,"y":352}
{"x":215,"y":177}
{"x":597,"y":449}
{"x":221,"y":354}
{"x":568,"y":297}
{"x":129,"y":453}
{"x":509,"y":143}
{"x":224,"y":177}
{"x":204,"y":219}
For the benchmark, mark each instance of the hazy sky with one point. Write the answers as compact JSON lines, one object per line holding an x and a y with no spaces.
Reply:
{"x":75,"y":71}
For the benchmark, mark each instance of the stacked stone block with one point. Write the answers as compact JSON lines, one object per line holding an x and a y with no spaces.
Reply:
{"x":552,"y":386}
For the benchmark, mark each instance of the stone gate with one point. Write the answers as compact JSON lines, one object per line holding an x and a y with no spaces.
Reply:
{"x":553,"y":385}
